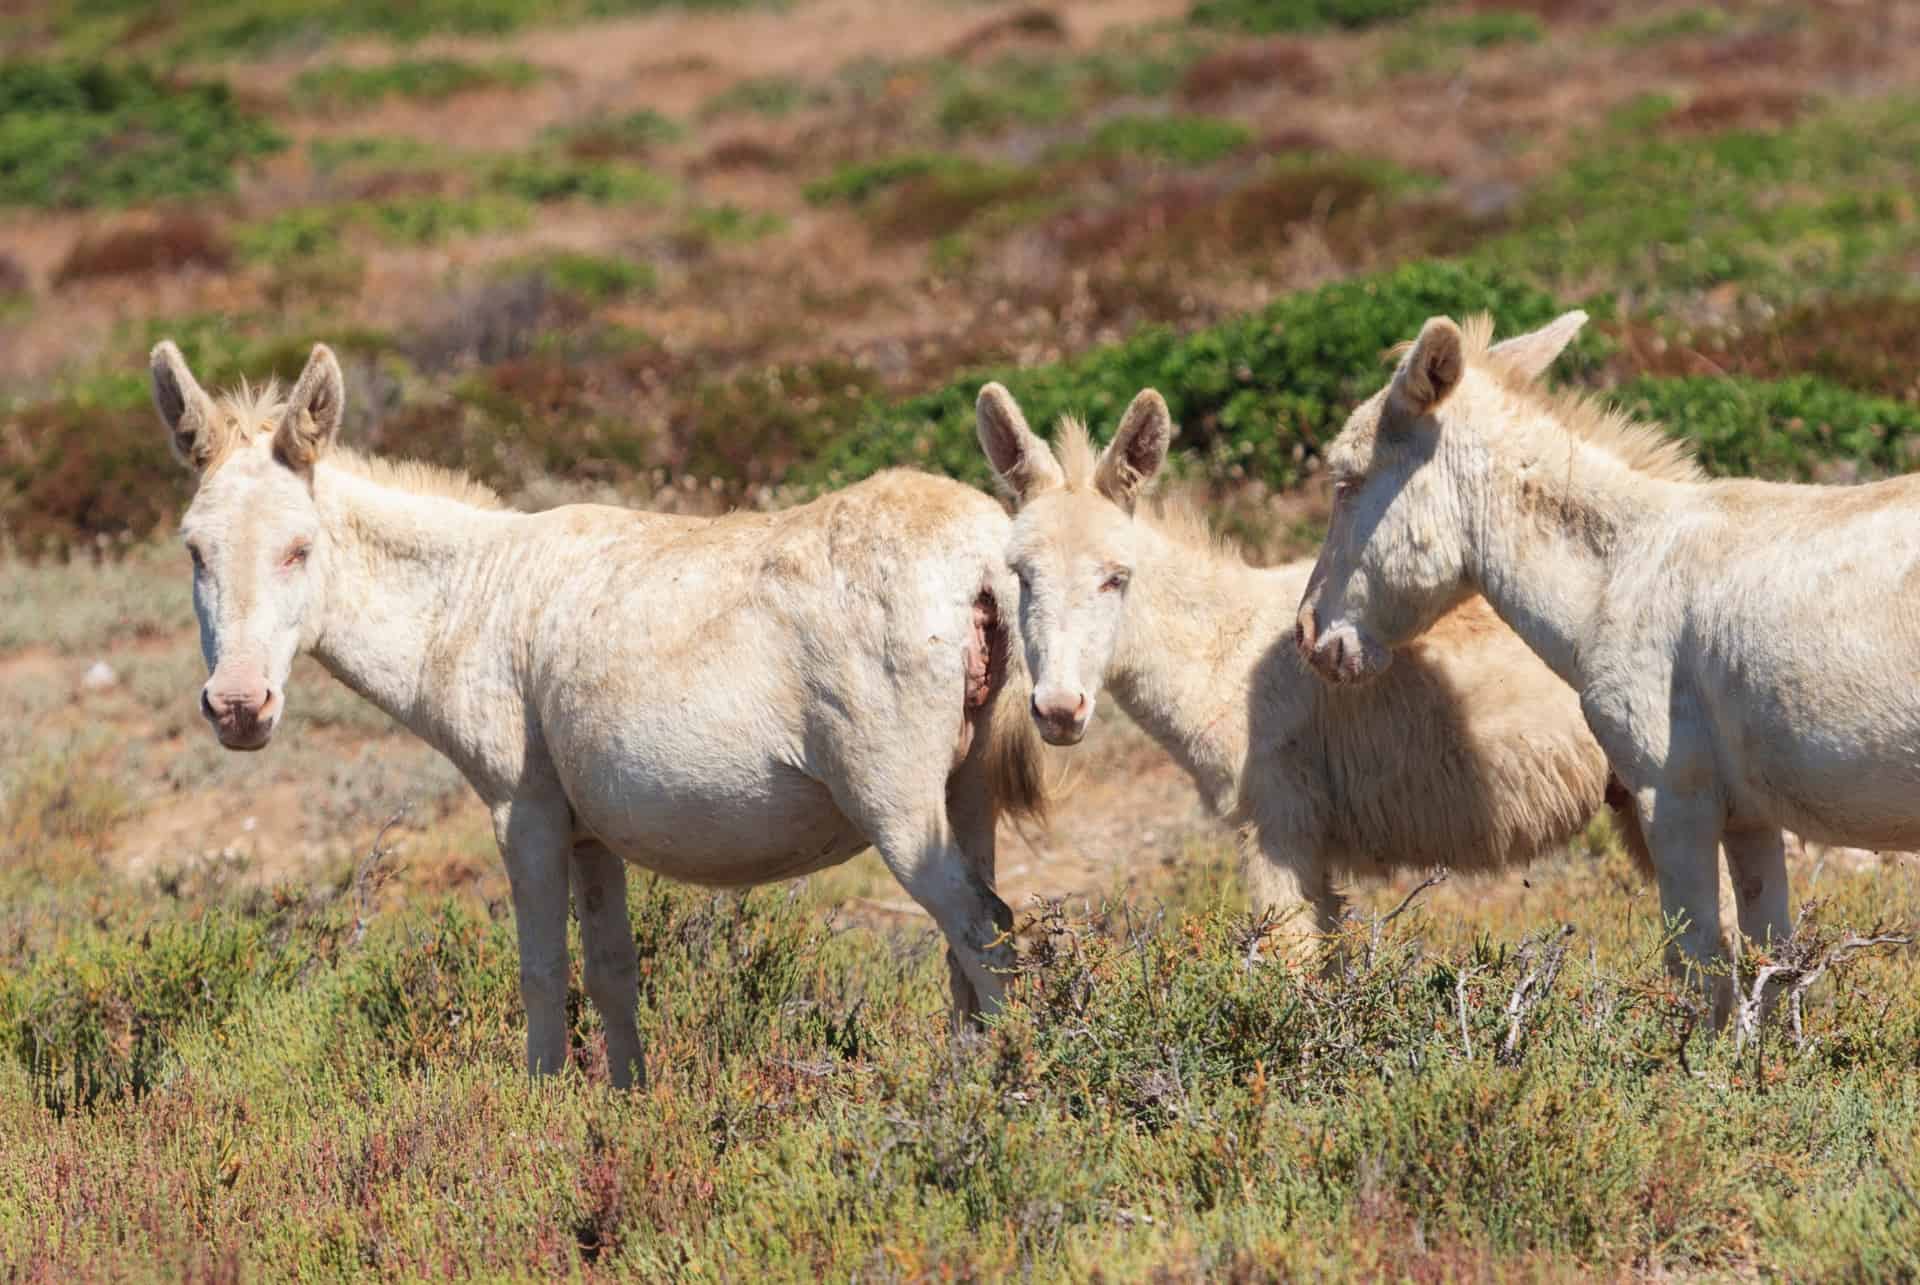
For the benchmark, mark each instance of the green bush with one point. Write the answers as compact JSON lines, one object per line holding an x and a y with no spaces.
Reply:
{"x":1269,"y":16}
{"x":1255,"y":395}
{"x":539,"y":179}
{"x":858,"y":182}
{"x":729,"y":223}
{"x":1433,"y":46}
{"x":431,"y":79}
{"x":1015,"y":92}
{"x":634,"y":134}
{"x":1794,"y":429}
{"x":1825,"y":203}
{"x":99,"y":1023}
{"x":76,"y":134}
{"x":1184,"y":140}
{"x":593,"y":277}
{"x":215,"y":27}
{"x":764,"y":96}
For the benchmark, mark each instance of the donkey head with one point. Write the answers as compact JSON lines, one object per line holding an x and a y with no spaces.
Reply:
{"x":1398,"y":549}
{"x":1073,"y":545}
{"x":253,"y":531}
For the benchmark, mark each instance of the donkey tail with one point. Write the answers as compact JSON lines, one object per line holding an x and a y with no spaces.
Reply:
{"x":1014,"y":753}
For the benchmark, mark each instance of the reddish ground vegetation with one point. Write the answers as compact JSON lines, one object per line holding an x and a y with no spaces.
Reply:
{"x":1274,"y":62}
{"x":168,"y":243}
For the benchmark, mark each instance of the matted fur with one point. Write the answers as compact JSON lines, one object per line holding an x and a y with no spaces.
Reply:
{"x":726,"y":701}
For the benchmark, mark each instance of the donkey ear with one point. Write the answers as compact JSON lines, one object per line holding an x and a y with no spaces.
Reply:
{"x":1023,"y":463}
{"x":313,"y":411}
{"x":1432,"y":369}
{"x":1138,"y":449}
{"x":1532,"y":353}
{"x":184,"y":407}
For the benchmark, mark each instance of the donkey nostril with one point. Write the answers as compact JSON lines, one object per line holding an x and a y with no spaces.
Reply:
{"x":206,"y":705}
{"x":1080,"y":707}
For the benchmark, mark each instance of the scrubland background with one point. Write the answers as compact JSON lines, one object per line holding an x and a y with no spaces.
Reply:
{"x":721,"y":254}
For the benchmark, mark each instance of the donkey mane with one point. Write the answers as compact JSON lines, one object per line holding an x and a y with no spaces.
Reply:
{"x":1643,"y":447}
{"x":1177,"y":517}
{"x":251,"y":412}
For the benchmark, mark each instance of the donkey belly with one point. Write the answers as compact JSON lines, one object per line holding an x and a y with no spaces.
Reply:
{"x":1839,"y":771}
{"x":711,"y":830}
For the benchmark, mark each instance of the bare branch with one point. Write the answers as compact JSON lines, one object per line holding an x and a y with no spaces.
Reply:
{"x":1460,"y":994}
{"x":1534,"y":988}
{"x":370,"y":874}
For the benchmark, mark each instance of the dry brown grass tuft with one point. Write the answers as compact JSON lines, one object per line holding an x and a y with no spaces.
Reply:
{"x":1289,"y":63}
{"x":1865,"y":342}
{"x":167,"y":243}
{"x":1019,"y":29}
{"x":744,"y":154}
{"x":1742,"y":106}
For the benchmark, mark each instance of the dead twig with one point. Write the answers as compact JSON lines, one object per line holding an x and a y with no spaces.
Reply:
{"x":1460,"y":994}
{"x":1796,"y":964}
{"x":371,"y":874}
{"x":1433,"y":880}
{"x":1534,"y":987}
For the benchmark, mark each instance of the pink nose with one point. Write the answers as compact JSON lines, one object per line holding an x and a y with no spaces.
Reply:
{"x":1062,"y":716}
{"x":241,"y":712}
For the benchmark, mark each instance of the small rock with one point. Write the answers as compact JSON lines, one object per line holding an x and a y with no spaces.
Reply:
{"x":99,"y":677}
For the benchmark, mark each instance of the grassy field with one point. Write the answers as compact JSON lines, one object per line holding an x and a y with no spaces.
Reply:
{"x":722,"y":253}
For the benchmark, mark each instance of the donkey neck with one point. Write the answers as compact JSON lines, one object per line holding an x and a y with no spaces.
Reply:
{"x":407,"y":574}
{"x":1553,"y":511}
{"x":1195,"y":625}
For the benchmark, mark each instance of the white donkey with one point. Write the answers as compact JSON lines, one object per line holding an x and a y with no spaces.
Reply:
{"x":727,"y":701}
{"x":1743,"y":650}
{"x":1470,"y":755}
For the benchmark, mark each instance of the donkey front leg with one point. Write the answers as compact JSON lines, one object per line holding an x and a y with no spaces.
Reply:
{"x":611,"y":966}
{"x":971,"y":811}
{"x":535,"y":837}
{"x":1683,"y":831}
{"x":1287,"y":878}
{"x":905,"y":818}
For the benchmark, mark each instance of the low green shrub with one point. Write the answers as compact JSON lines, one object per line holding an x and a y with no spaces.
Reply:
{"x":635,"y":134}
{"x":1796,"y":428}
{"x":1254,"y":396}
{"x":1268,"y":16}
{"x":1441,"y":46}
{"x":1822,"y":204}
{"x":82,"y":134}
{"x":595,"y":278}
{"x":99,"y":1023}
{"x":764,"y":96}
{"x":541,"y":179}
{"x":428,"y":79}
{"x":859,"y":182}
{"x":1182,"y":140}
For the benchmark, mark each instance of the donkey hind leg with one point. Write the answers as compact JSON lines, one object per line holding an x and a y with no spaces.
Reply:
{"x":971,"y":812}
{"x":535,"y":836}
{"x":1683,"y":831}
{"x":611,"y":967}
{"x":1757,"y":865}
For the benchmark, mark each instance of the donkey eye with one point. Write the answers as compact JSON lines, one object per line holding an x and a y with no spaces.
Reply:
{"x":199,"y":563}
{"x":296,"y":555}
{"x":1345,"y":486}
{"x":1114,"y":582}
